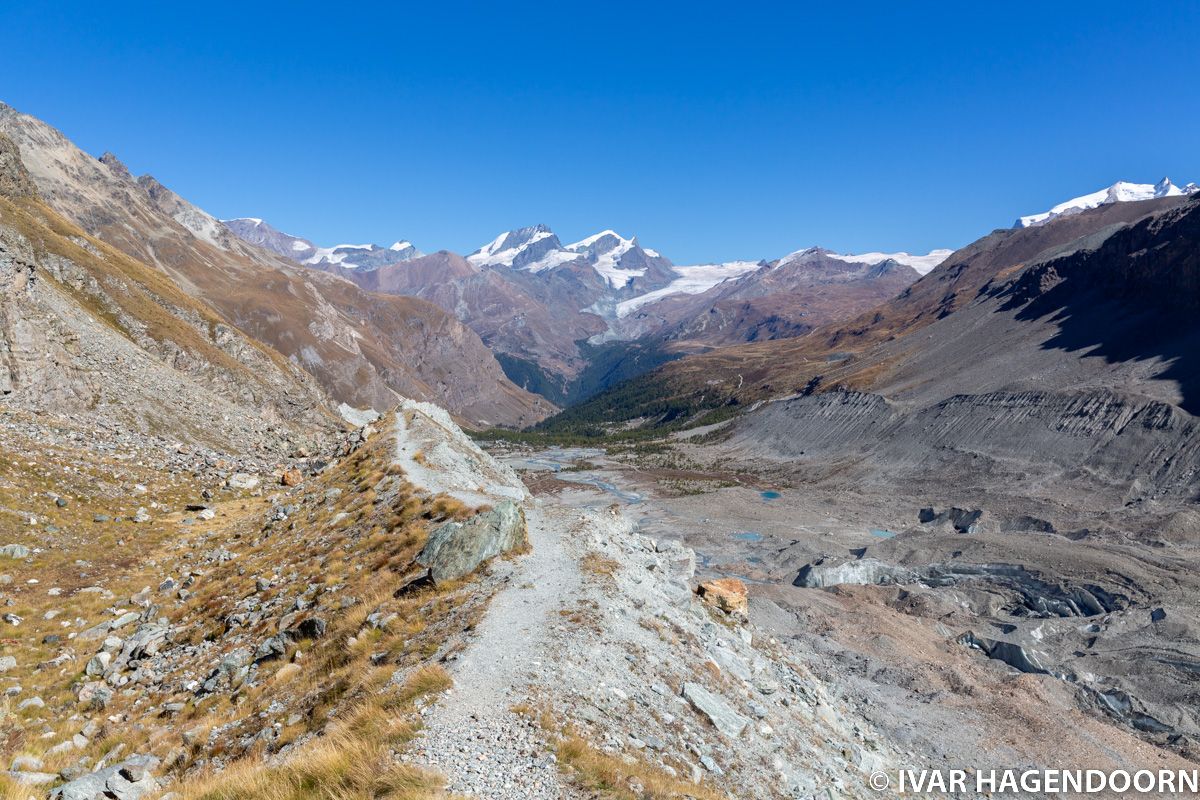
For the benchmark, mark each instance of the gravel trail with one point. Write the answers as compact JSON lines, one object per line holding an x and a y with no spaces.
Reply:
{"x":472,"y":736}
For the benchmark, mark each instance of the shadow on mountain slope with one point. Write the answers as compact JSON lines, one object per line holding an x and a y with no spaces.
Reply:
{"x":1132,"y":298}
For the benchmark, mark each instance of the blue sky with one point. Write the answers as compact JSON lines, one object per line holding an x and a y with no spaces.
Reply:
{"x":712,"y":131}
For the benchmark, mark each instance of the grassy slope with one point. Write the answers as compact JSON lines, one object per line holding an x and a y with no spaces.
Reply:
{"x":336,"y":684}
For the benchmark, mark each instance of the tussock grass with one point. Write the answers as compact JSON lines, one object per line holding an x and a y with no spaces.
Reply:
{"x":596,"y":564}
{"x":614,"y":777}
{"x":352,"y":761}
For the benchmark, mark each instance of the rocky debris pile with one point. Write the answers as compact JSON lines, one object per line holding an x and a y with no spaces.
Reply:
{"x":437,"y":456}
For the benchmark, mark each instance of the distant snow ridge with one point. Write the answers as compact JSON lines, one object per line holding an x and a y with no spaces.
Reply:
{"x":1119,"y":192}
{"x":923,"y":264}
{"x":346,"y":256}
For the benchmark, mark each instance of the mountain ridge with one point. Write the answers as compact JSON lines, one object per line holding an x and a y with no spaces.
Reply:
{"x":365,"y":349}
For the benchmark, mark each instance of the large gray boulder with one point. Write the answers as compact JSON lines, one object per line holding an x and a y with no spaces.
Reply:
{"x":456,"y":549}
{"x":129,"y":780}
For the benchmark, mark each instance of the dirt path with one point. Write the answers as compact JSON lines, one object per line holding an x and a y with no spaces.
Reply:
{"x":472,"y":736}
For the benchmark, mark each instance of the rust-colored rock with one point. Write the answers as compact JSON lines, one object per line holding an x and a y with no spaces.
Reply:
{"x":291,"y":477}
{"x":728,"y":594}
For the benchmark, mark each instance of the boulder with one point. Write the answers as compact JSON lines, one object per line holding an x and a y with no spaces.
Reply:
{"x":27,"y":778}
{"x":14,"y":551}
{"x":456,"y":549}
{"x":97,"y":665}
{"x":129,"y":780}
{"x":7,"y":663}
{"x":724,"y":719}
{"x":272,"y":647}
{"x":312,"y":628}
{"x":242,"y":480}
{"x":95,"y":694}
{"x":728,"y":594}
{"x":291,"y":477}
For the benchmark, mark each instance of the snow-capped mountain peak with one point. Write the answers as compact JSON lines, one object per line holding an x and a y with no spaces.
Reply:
{"x":534,"y":249}
{"x":1119,"y":192}
{"x":523,"y":248}
{"x":923,"y":264}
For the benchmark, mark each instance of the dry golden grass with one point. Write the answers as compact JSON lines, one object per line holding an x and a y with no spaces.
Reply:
{"x":343,"y":675}
{"x":352,"y":761}
{"x":11,"y":790}
{"x":596,"y":564}
{"x":614,"y":777}
{"x":446,"y":507}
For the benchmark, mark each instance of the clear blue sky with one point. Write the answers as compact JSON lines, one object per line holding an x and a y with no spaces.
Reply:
{"x":712,"y":131}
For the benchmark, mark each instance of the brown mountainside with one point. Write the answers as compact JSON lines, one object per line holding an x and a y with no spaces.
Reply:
{"x":365,"y":349}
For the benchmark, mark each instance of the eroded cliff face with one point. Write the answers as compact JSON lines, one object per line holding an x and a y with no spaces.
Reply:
{"x":35,"y":355}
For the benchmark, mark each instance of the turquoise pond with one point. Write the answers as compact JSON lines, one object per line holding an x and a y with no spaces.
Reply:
{"x":748,"y":536}
{"x":770,"y":495}
{"x":882,"y":534}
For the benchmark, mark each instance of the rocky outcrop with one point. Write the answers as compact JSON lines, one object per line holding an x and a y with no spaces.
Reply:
{"x":14,"y":178}
{"x":456,"y":549}
{"x":724,"y":719}
{"x":727,"y":594}
{"x":438,"y":457}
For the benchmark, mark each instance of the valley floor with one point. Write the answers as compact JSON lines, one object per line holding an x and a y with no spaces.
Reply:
{"x":890,"y":660}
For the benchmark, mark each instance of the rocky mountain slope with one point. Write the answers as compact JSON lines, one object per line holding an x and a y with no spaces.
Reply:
{"x":86,"y":329}
{"x":338,"y":620}
{"x":1038,"y":444}
{"x":365,"y":349}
